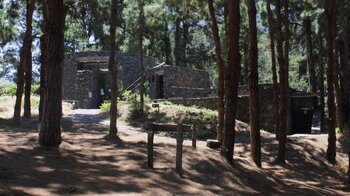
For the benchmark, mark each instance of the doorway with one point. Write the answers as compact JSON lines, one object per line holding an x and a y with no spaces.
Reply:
{"x":159,"y":86}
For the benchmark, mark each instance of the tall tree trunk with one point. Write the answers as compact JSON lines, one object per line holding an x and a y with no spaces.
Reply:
{"x":284,"y":87}
{"x":220,"y":65}
{"x":330,"y":18}
{"x":232,"y":82}
{"x":50,"y":127}
{"x":273,"y":60}
{"x":338,"y":96}
{"x":321,"y":82}
{"x":310,"y":56}
{"x":142,"y":70}
{"x":43,"y":49}
{"x":185,"y":39}
{"x":113,"y":71}
{"x":43,"y":60}
{"x":167,"y":46}
{"x":28,"y":85}
{"x":343,"y":48}
{"x":177,"y":48}
{"x":253,"y":86}
{"x":24,"y":55}
{"x":28,"y":72}
{"x":348,"y":117}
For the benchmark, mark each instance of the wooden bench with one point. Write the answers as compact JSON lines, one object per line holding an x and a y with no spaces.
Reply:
{"x":179,"y":129}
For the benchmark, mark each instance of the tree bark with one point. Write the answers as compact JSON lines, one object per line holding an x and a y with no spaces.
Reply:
{"x":338,"y":96}
{"x":273,"y":60}
{"x":142,"y":69}
{"x":284,"y":87}
{"x":321,"y":83}
{"x":330,"y":18}
{"x":220,"y":65}
{"x":232,"y":78}
{"x":28,"y":85}
{"x":24,"y":58}
{"x":255,"y":146}
{"x":185,"y":39}
{"x":43,"y":49}
{"x":177,"y":48}
{"x":50,"y":127}
{"x":348,"y":117}
{"x":343,"y":48}
{"x":167,"y":46}
{"x":113,"y":71}
{"x":43,"y":60}
{"x":310,"y":56}
{"x":29,"y":69}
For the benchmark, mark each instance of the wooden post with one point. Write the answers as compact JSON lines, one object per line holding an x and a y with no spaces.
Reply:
{"x":194,"y":135}
{"x":150,"y":137}
{"x":179,"y":141}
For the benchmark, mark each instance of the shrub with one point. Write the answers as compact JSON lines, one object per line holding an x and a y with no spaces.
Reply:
{"x":134,"y":100}
{"x":105,"y":107}
{"x":35,"y":90}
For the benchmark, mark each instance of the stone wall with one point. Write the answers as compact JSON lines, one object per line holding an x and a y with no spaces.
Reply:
{"x":267,"y":117}
{"x":86,"y":89}
{"x":204,"y":102}
{"x":268,"y":114}
{"x":180,"y":82}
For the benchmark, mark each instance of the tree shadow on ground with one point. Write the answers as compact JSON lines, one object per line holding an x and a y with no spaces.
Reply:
{"x":88,"y":162}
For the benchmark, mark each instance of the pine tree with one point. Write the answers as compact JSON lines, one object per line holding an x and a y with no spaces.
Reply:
{"x":330,"y":18}
{"x":255,"y":146}
{"x":220,"y":65}
{"x":113,"y":71}
{"x":232,"y":81}
{"x":50,"y":127}
{"x":25,"y":59}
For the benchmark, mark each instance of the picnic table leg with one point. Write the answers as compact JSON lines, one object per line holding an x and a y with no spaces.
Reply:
{"x":150,"y":138}
{"x":179,"y":142}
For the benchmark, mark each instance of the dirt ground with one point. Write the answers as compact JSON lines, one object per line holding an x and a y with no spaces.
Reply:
{"x":88,"y":163}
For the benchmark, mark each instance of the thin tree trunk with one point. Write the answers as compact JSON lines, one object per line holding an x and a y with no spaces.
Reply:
{"x":253,"y":86}
{"x":343,"y":48}
{"x":177,"y":48}
{"x":167,"y":46}
{"x":28,"y":72}
{"x":50,"y":127}
{"x":321,"y":81}
{"x":232,"y":78}
{"x":220,"y":65}
{"x":330,"y":18}
{"x":284,"y":89}
{"x":113,"y":71}
{"x":310,"y":56}
{"x":273,"y":60}
{"x":28,"y":85}
{"x":338,"y":92}
{"x":142,"y":70}
{"x":186,"y":27}
{"x":24,"y":55}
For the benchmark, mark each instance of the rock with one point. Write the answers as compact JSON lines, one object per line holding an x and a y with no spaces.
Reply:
{"x":213,"y":144}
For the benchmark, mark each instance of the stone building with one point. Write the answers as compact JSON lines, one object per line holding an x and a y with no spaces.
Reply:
{"x":85,"y":78}
{"x":167,"y":81}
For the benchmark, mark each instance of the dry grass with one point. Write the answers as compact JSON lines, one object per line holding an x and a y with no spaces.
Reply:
{"x":7,"y":104}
